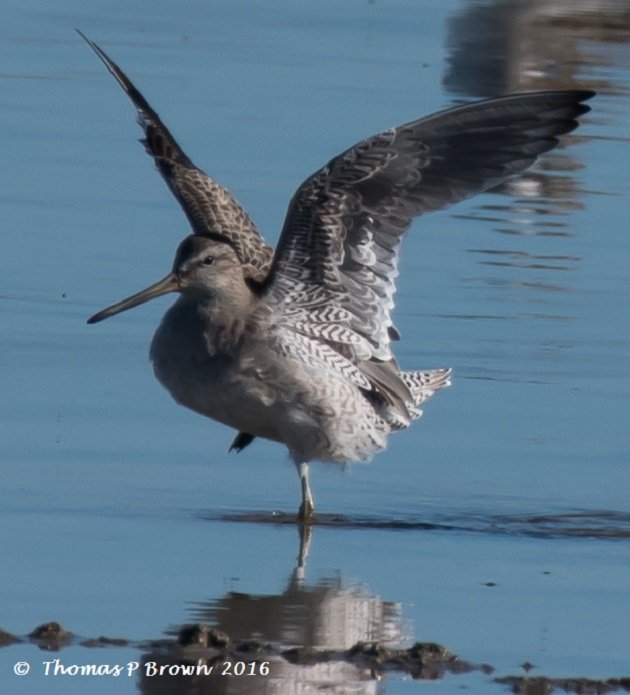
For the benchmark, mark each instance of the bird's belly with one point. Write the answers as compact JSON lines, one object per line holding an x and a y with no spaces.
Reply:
{"x":317,"y":416}
{"x":214,"y":390}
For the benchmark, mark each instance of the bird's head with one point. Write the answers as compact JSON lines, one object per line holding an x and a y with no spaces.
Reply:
{"x":204,"y":266}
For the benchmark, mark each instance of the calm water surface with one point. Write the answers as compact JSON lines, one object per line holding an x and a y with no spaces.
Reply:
{"x":497,"y":526}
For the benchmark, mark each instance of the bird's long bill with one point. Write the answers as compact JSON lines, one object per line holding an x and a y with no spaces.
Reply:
{"x":164,"y":286}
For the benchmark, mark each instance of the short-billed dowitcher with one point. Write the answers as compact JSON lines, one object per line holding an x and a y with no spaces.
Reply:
{"x":296,"y":345}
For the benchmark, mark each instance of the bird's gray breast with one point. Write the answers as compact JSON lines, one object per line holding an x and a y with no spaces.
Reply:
{"x":217,"y":375}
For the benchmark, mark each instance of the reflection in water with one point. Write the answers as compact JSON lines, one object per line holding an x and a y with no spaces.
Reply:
{"x":309,"y":638}
{"x":325,"y":615}
{"x":328,"y":636}
{"x":502,"y":46}
{"x":521,"y":259}
{"x":254,"y":668}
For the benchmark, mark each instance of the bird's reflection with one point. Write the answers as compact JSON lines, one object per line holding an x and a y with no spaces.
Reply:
{"x":326,"y":634}
{"x":321,"y":635}
{"x":320,"y":615}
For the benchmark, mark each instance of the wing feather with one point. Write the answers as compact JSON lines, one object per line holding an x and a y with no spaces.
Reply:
{"x":341,"y":238}
{"x":209,"y":207}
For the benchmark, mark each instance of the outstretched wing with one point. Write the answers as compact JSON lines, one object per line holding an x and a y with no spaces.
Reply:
{"x":336,"y":263}
{"x":210,"y":208}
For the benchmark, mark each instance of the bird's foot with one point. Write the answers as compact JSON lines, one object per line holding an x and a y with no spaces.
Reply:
{"x":306,"y":514}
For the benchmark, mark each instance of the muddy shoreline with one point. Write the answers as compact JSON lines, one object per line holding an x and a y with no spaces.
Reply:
{"x":198,"y":643}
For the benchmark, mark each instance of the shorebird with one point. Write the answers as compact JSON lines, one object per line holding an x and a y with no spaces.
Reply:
{"x":295,"y":345}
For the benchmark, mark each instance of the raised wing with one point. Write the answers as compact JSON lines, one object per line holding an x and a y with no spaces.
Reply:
{"x":336,"y":263}
{"x":210,"y":208}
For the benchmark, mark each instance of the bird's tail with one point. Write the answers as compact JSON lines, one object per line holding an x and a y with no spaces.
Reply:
{"x":423,"y":384}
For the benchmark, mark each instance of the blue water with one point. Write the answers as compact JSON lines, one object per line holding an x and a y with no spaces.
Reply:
{"x":497,"y":526}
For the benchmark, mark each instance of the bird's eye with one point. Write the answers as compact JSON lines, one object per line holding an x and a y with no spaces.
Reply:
{"x":208,"y":260}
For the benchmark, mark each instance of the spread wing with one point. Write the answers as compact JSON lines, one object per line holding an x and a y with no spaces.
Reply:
{"x":333,"y":274}
{"x":210,"y":208}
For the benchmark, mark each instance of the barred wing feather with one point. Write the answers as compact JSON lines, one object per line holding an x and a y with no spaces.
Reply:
{"x":337,"y":258}
{"x":210,"y":208}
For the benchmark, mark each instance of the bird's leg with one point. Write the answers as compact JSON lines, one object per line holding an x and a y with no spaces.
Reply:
{"x":306,"y":534}
{"x":307,"y":507}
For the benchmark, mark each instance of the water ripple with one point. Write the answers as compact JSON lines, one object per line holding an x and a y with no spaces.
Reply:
{"x":605,"y":524}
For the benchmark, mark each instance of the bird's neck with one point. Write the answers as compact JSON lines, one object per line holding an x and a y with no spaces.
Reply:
{"x":224,"y":319}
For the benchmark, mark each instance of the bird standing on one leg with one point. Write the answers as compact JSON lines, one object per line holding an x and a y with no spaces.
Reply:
{"x":295,"y":345}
